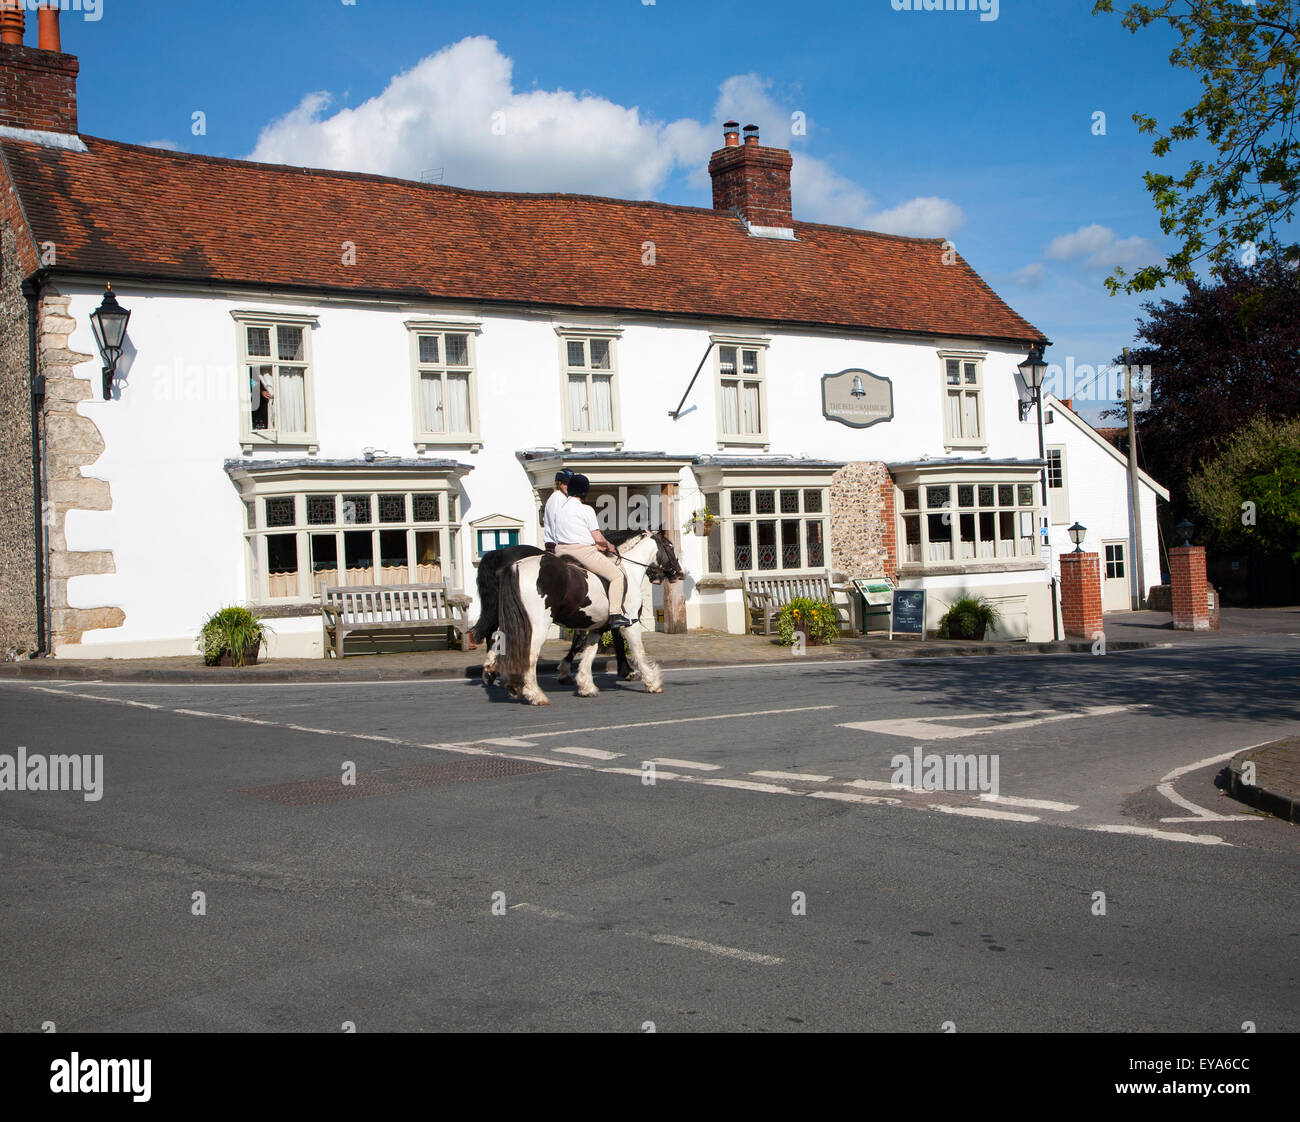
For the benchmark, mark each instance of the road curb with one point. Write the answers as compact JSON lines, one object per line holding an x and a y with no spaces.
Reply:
{"x":53,"y":670}
{"x":1285,"y":807}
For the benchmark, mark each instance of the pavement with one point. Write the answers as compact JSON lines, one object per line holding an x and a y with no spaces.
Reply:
{"x":1268,"y":778}
{"x":500,"y":866}
{"x":1123,"y":631}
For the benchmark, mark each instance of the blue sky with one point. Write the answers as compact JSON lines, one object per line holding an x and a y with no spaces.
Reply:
{"x":917,"y":122}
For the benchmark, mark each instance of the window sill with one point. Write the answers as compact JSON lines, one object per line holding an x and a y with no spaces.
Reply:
{"x":762,"y":442}
{"x":966,"y":446}
{"x":593,"y":438}
{"x":960,"y":568}
{"x":311,"y":446}
{"x":429,"y":442}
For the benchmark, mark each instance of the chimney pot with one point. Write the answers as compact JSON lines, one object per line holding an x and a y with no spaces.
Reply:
{"x":13,"y":21}
{"x":751,"y":134}
{"x":731,"y":133}
{"x":47,"y":29}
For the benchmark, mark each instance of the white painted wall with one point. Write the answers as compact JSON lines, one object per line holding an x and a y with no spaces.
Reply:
{"x":176,"y":527}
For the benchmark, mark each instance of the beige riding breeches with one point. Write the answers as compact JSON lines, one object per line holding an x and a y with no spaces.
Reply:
{"x":589,"y":557}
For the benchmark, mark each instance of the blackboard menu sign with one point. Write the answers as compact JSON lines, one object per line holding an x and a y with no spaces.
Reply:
{"x":909,"y":611}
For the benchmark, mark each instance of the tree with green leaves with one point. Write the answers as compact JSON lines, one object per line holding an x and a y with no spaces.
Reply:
{"x":1234,"y":206}
{"x":1249,"y":494}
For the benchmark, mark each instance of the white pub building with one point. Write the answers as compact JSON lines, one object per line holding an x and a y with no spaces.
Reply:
{"x":350,"y":379}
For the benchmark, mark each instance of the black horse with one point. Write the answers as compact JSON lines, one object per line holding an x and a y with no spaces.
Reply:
{"x":497,"y":561}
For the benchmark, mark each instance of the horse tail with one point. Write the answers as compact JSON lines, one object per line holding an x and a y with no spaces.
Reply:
{"x":489,"y":578}
{"x":515,"y":624}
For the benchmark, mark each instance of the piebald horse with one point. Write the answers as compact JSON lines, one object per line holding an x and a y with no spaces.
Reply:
{"x":490,"y":568}
{"x":537,"y":591}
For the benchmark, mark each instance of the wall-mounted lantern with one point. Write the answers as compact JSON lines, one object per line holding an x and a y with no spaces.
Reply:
{"x":108,"y":322}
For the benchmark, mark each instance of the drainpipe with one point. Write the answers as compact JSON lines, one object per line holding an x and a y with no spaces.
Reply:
{"x":32,"y":292}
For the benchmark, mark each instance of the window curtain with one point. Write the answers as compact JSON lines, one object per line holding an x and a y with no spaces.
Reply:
{"x":291,"y":412}
{"x":730,"y":407}
{"x":972,"y":404}
{"x":752,"y":420}
{"x":458,"y":403}
{"x":578,"y":404}
{"x":431,"y":402}
{"x":602,"y":411}
{"x":954,"y":415}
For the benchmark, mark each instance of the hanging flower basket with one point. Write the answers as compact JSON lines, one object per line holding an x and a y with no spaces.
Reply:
{"x":701,"y":523}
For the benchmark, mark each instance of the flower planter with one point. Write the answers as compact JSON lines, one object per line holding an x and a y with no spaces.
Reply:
{"x":954,"y":631}
{"x":250,"y":656}
{"x":701,"y":529}
{"x":810,"y":639}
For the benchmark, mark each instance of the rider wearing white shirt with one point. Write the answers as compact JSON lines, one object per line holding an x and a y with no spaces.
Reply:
{"x":553,"y":505}
{"x":577,"y":535}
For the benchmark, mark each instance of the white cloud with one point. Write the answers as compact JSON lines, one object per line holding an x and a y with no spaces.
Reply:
{"x":165,"y":145}
{"x":1031,"y":276}
{"x":1097,"y":247}
{"x":458,"y":110}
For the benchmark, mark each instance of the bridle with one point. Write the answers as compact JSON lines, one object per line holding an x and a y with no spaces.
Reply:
{"x":619,"y":558}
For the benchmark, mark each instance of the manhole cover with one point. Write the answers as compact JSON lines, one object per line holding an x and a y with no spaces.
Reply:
{"x":389,"y":781}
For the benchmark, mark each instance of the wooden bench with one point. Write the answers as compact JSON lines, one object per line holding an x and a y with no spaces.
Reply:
{"x":375,"y":610}
{"x":765,"y":596}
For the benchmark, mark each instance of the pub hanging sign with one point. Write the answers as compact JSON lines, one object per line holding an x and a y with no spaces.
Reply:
{"x":857,"y":398}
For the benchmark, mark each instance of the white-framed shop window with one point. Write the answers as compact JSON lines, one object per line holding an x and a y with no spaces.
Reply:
{"x":278,"y":405}
{"x":349,"y":532}
{"x":741,"y":391}
{"x":589,"y":386}
{"x":962,"y":373}
{"x":946,"y":522}
{"x":768,"y":528}
{"x":444,"y":383}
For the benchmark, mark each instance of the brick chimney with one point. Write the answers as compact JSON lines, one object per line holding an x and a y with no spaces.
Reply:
{"x":753,"y":180}
{"x":38,"y":85}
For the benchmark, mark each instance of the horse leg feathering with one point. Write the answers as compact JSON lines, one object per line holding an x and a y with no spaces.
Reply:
{"x":586,"y":683}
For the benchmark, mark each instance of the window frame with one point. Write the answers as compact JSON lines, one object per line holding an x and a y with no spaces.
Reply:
{"x":761,"y":439}
{"x":584,"y":335}
{"x":718,"y":482}
{"x":493,"y":524}
{"x":1026,"y":556}
{"x":1058,"y":508}
{"x":300,"y":485}
{"x":425,"y":438}
{"x":249,"y":437}
{"x":962,"y":357}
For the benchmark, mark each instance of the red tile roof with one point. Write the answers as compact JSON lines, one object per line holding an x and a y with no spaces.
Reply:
{"x":122,"y":211}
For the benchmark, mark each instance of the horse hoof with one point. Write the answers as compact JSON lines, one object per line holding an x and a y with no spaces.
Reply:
{"x":540,"y":701}
{"x":654,"y":689}
{"x":632,"y":676}
{"x":589,"y":693}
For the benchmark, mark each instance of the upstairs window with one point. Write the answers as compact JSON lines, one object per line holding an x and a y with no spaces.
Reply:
{"x":963,"y":401}
{"x":276,"y":379}
{"x":590,"y":387}
{"x":742,"y":394}
{"x":445,"y":387}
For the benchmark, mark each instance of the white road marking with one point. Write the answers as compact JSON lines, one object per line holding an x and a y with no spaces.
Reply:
{"x":929,"y":728}
{"x":1166,"y":835}
{"x":851,"y":797}
{"x":638,"y":772}
{"x":682,"y":720}
{"x":793,"y":775}
{"x":746,"y":785}
{"x":690,"y":765}
{"x":1028,"y":804}
{"x":874,"y":785}
{"x":719,"y":949}
{"x":1200,"y":813}
{"x":980,"y":812}
{"x":592,"y":753}
{"x":508,"y":742}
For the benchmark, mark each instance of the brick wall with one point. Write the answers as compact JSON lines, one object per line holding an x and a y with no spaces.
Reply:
{"x":38,"y":89}
{"x":17,"y":535}
{"x":862,"y":520}
{"x":1081,"y":594}
{"x":755,"y":181}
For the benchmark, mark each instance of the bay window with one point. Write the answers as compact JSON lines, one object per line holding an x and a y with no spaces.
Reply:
{"x":948,"y":519}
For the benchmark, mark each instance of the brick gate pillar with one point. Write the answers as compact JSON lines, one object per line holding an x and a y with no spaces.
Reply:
{"x":1081,"y":594}
{"x":1190,"y":591}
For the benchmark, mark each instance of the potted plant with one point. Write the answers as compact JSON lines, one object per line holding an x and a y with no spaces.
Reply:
{"x":232,"y":637}
{"x":968,"y":617}
{"x":701,"y":523}
{"x":816,"y":620}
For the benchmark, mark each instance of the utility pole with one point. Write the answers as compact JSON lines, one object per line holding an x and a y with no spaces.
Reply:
{"x":1134,"y":504}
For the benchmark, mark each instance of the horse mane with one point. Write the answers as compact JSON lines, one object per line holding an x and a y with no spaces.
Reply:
{"x":618,"y":537}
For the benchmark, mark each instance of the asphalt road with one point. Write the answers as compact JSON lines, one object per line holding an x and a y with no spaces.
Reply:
{"x":813,"y":895}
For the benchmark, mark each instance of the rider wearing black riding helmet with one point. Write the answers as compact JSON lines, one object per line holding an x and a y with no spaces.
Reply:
{"x":577,"y":535}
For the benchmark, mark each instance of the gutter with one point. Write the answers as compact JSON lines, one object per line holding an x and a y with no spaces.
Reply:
{"x":32,"y":292}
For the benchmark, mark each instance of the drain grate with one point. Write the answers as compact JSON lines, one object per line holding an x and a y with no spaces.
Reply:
{"x":391,"y":781}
